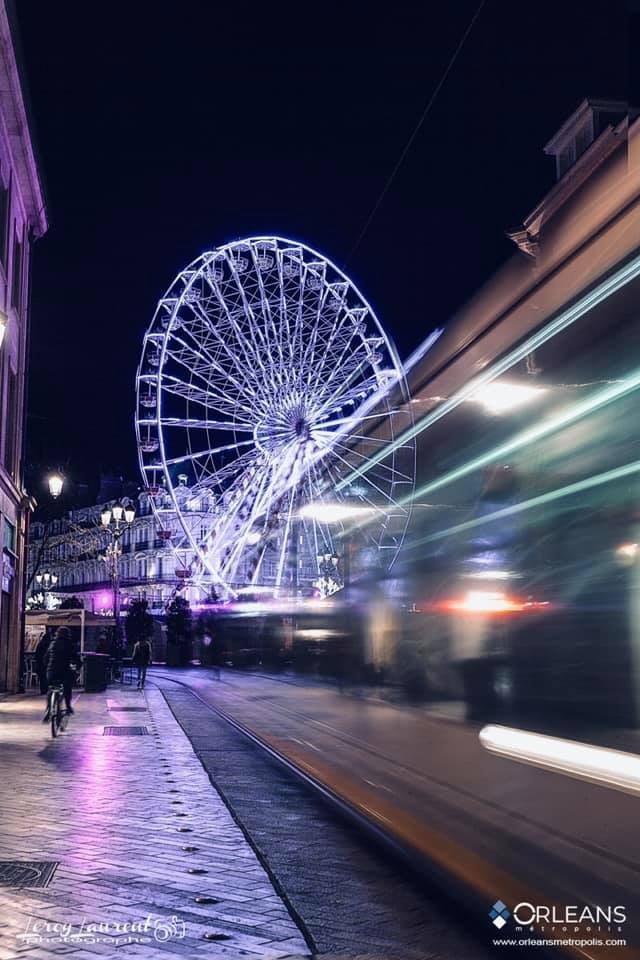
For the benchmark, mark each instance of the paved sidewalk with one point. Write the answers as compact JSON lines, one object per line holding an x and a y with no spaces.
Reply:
{"x":125,"y":818}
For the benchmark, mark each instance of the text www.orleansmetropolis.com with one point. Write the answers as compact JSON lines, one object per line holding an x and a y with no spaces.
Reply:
{"x":566,"y":942}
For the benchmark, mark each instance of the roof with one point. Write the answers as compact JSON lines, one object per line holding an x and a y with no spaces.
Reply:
{"x":15,"y":120}
{"x":568,"y":128}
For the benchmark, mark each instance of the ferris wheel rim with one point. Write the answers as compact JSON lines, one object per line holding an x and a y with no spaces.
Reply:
{"x":187,"y":277}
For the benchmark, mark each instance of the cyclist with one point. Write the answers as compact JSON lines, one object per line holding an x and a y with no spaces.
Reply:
{"x":61,"y":656}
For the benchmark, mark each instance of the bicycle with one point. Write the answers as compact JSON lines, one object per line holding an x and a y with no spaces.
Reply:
{"x":58,"y":714}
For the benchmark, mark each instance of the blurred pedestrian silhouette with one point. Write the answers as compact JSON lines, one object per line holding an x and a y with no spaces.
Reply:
{"x":40,"y":658}
{"x":141,"y":658}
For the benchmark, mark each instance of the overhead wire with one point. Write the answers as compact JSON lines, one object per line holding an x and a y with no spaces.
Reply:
{"x":416,"y":130}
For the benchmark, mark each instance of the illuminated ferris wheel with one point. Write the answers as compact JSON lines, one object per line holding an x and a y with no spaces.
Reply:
{"x":265,"y":382}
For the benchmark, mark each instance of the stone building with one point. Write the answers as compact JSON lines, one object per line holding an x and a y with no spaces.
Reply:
{"x":22,"y":220}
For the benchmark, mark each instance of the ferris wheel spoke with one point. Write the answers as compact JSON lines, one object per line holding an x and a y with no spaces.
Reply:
{"x":397,"y":475}
{"x":205,"y":398}
{"x":249,"y":314}
{"x":296,"y":344}
{"x":285,"y":544}
{"x":242,"y":367}
{"x":200,"y":365}
{"x":208,"y":453}
{"x":247,"y":346}
{"x":340,"y":314}
{"x":231,"y":537}
{"x":350,"y":396}
{"x":338,"y":337}
{"x":306,"y":361}
{"x":266,"y":310}
{"x":289,"y":274}
{"x":383,"y":493}
{"x":241,"y":541}
{"x":353,"y":420}
{"x":352,"y":389}
{"x":319,"y":495}
{"x":191,"y":423}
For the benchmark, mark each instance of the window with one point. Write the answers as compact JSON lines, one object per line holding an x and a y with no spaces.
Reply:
{"x":583,"y":139}
{"x":16,"y":273}
{"x":9,"y":536}
{"x":4,"y":210}
{"x":10,"y":438}
{"x":565,"y":159}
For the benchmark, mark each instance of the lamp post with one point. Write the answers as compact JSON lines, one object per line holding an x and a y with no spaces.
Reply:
{"x":323,"y":512}
{"x":330,"y":580}
{"x":55,"y":484}
{"x":45,"y":581}
{"x":114,"y":521}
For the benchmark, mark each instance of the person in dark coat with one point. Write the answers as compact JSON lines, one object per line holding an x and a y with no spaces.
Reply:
{"x":141,"y":658}
{"x":41,"y":657}
{"x":61,"y":657}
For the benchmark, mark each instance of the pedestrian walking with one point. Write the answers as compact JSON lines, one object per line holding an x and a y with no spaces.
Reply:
{"x":40,"y":657}
{"x":141,"y":658}
{"x":62,"y":657}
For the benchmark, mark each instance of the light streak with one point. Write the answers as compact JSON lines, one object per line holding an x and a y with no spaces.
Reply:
{"x":537,"y":432}
{"x":618,"y":473}
{"x":613,"y":768}
{"x":500,"y":396}
{"x":485,"y":601}
{"x":564,"y":320}
{"x":333,"y":512}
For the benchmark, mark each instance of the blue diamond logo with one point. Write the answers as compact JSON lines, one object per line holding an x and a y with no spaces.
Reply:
{"x":499,"y":914}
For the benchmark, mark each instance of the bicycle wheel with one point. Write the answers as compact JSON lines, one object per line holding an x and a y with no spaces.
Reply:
{"x":56,"y":714}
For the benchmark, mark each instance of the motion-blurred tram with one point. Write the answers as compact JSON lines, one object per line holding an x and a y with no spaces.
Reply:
{"x":518,"y":587}
{"x":524,"y":560}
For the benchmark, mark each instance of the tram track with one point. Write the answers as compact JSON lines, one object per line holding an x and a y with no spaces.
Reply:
{"x":512,"y":817}
{"x":469,"y":878}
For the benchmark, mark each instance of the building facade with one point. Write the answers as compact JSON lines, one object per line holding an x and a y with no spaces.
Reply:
{"x":66,"y":557}
{"x":22,"y":220}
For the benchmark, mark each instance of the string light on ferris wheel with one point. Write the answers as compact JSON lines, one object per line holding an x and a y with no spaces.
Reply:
{"x":265,"y":378}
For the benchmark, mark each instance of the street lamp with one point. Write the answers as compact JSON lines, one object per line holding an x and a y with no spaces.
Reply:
{"x":56,"y":483}
{"x":330,"y":580}
{"x":328,"y":513}
{"x":46,"y":582}
{"x":115,"y":521}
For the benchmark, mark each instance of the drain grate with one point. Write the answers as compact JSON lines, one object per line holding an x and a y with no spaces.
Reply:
{"x":129,"y":709}
{"x":27,"y":873}
{"x":125,"y":732}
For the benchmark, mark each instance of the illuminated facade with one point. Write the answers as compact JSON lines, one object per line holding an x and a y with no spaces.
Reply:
{"x":66,"y":556}
{"x":22,"y":221}
{"x":71,"y":550}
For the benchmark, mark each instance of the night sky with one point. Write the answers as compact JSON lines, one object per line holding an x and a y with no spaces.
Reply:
{"x":165,"y":129}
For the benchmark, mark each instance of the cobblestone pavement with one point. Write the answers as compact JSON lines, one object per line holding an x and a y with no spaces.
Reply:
{"x":137,"y":832}
{"x":353,"y":900}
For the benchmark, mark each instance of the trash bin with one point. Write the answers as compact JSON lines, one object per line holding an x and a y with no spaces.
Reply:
{"x":95,"y":672}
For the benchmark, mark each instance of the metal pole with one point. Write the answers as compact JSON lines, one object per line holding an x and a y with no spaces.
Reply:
{"x":116,"y":590}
